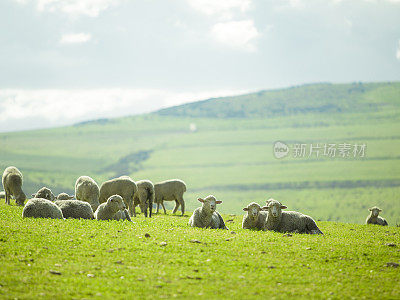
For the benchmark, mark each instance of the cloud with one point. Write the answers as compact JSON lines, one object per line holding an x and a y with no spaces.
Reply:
{"x":236,"y":34}
{"x":398,"y":51}
{"x":223,"y":8}
{"x":75,"y":38}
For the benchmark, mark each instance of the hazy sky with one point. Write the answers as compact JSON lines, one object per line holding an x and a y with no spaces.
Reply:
{"x":64,"y":61}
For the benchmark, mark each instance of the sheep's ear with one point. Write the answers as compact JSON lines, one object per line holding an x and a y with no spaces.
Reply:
{"x":264,"y":208}
{"x":379,"y":210}
{"x":200,"y":200}
{"x":33,"y":195}
{"x":283,"y":206}
{"x":370,"y":209}
{"x":245,"y":209}
{"x":218,"y":201}
{"x":70,"y":197}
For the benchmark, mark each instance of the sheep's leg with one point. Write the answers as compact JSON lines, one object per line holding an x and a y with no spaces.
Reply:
{"x":134,"y":211}
{"x":158,"y":207}
{"x":176,"y":206}
{"x":150,"y":207}
{"x":162,"y":204}
{"x":182,"y":203}
{"x":7,"y":197}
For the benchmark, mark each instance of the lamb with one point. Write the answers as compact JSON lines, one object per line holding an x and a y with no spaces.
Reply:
{"x":206,"y":216}
{"x":144,"y":197}
{"x":64,"y":196}
{"x":255,"y":217}
{"x":44,"y":193}
{"x":75,"y":209}
{"x":41,"y":208}
{"x":288,"y":221}
{"x":12,"y":183}
{"x":170,"y":190}
{"x":109,"y":209}
{"x":123,"y":186}
{"x":374,"y":217}
{"x":86,"y":189}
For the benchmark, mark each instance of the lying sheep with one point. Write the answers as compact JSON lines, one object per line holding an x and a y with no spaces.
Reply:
{"x":44,"y":193}
{"x":255,"y":217}
{"x":144,"y":197}
{"x":64,"y":196}
{"x":206,"y":216}
{"x":170,"y":190}
{"x":374,"y":217}
{"x":12,"y":183}
{"x":86,"y":189}
{"x":123,"y":186}
{"x":288,"y":221}
{"x":75,"y":209}
{"x":41,"y":208}
{"x":109,"y":209}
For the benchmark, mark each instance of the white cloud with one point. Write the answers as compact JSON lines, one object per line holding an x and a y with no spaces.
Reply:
{"x":223,"y":8}
{"x":75,"y":38}
{"x":398,"y":51}
{"x":236,"y":34}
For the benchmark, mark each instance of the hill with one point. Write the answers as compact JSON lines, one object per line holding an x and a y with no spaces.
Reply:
{"x":230,"y":154}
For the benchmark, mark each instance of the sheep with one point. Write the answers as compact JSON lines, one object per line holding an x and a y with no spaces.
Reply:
{"x":2,"y":195}
{"x":288,"y":221}
{"x":255,"y":217}
{"x":86,"y":189}
{"x":64,"y":196}
{"x":122,"y":215}
{"x":41,"y":208}
{"x":123,"y":186}
{"x":206,"y":216}
{"x":109,"y":209}
{"x":144,"y":197}
{"x":170,"y":190}
{"x":12,"y":183}
{"x":374,"y":217}
{"x":44,"y":193}
{"x":75,"y":209}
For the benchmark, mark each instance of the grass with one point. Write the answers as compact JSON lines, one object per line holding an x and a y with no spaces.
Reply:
{"x":43,"y":258}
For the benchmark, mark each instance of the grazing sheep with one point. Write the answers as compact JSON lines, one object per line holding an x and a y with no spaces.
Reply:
{"x":374,"y":217}
{"x":86,"y":189}
{"x":41,"y":208}
{"x":44,"y":193}
{"x":255,"y":217}
{"x":122,"y":215}
{"x":170,"y":190}
{"x":12,"y":183}
{"x":206,"y":216}
{"x":144,"y":197}
{"x":64,"y":196}
{"x":123,"y":186}
{"x":75,"y":209}
{"x":107,"y":210}
{"x":288,"y":221}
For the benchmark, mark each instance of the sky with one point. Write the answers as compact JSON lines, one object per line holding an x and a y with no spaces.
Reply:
{"x":67,"y":61}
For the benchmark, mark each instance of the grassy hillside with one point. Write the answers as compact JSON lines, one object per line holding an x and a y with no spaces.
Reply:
{"x":230,"y":154}
{"x":162,"y":257}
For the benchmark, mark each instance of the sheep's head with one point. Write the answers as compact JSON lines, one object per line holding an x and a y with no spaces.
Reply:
{"x":116,"y":202}
{"x":375,"y":211}
{"x":274,"y":208}
{"x":209,"y":203}
{"x":253,"y":210}
{"x":20,"y":199}
{"x":44,"y":193}
{"x":64,"y":196}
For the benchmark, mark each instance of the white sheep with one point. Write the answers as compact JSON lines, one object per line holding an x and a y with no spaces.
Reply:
{"x":374,"y":217}
{"x":144,"y":197}
{"x":123,"y":186}
{"x":206,"y":216}
{"x":170,"y":190}
{"x":86,"y":189}
{"x":255,"y":217}
{"x":108,"y":209}
{"x":41,"y":208}
{"x":64,"y":196}
{"x":288,"y":221}
{"x":44,"y":193}
{"x":12,"y":183}
{"x":75,"y":209}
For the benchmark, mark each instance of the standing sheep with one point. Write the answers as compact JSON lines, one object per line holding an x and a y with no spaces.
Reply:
{"x":75,"y":209}
{"x":123,"y":186}
{"x":255,"y":217}
{"x":44,"y":193}
{"x":170,"y":190}
{"x":64,"y":196}
{"x":109,"y":209}
{"x":288,"y":221}
{"x":374,"y":217}
{"x":206,"y":216}
{"x":12,"y":183}
{"x":86,"y":189}
{"x":41,"y":208}
{"x":144,"y":197}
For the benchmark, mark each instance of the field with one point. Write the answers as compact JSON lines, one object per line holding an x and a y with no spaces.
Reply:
{"x":230,"y":152}
{"x":162,"y":257}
